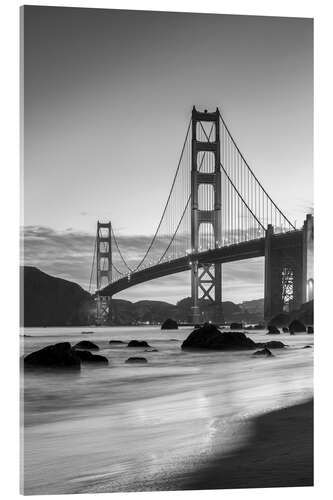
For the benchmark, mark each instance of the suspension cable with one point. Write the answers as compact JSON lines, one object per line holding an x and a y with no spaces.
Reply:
{"x":233,"y":185}
{"x":187,"y":203}
{"x":167,"y":202}
{"x":117,"y":270}
{"x":119,"y":251}
{"x":251,"y":171}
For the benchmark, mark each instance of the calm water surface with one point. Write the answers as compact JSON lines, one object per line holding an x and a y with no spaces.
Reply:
{"x":130,"y":427}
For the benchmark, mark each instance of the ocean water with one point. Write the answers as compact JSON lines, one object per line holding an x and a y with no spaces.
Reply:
{"x":126,"y":427}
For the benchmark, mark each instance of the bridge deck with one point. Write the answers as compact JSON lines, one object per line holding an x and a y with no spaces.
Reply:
{"x":240,"y":251}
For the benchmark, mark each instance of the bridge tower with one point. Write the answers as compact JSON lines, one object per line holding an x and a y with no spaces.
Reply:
{"x":206,"y":281}
{"x":103,"y":271}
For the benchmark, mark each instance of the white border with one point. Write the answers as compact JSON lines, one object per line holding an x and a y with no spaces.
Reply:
{"x":322,"y":12}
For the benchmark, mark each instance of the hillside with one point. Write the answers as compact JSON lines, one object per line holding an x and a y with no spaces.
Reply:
{"x":50,"y":301}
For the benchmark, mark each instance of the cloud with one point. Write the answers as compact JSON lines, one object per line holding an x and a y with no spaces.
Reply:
{"x":69,"y":254}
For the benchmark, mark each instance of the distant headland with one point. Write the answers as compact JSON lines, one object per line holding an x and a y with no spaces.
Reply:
{"x":51,"y":301}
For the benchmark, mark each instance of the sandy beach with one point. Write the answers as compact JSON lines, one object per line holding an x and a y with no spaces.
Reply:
{"x":199,"y":420}
{"x":279,"y":454}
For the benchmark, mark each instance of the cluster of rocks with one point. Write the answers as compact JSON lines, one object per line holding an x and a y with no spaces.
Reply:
{"x":206,"y":337}
{"x":210,"y":337}
{"x":64,"y":356}
{"x":60,"y":355}
{"x":296,"y":326}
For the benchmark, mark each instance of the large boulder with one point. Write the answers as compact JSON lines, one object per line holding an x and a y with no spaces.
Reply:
{"x":116,"y":342}
{"x":57,"y":356}
{"x":138,"y":343}
{"x":272,"y":330}
{"x":285,"y":329}
{"x":296,"y":326}
{"x":169,"y":324}
{"x":310,"y":329}
{"x":210,"y":337}
{"x":88,"y":357}
{"x":236,"y":326}
{"x":86,"y":344}
{"x":136,"y":359}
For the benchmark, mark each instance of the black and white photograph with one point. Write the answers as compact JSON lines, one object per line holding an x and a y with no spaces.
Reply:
{"x":167,"y":251}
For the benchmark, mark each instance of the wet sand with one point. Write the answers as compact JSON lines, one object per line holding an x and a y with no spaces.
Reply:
{"x":279,"y":454}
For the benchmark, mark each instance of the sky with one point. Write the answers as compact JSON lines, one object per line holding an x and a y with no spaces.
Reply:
{"x":107,"y":98}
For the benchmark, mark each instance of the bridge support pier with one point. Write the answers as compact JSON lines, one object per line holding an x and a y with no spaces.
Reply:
{"x":307,"y":282}
{"x":287,"y":268}
{"x":103,"y":310}
{"x":196,"y":317}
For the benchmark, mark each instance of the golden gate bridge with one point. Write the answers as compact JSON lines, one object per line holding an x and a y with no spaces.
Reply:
{"x":216,"y":211}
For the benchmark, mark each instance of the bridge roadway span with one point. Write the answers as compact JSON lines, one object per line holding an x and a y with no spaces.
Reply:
{"x":240,"y":251}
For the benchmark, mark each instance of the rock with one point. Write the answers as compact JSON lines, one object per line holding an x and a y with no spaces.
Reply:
{"x":197,"y":325}
{"x":285,"y":329}
{"x":296,"y":326}
{"x":310,"y":329}
{"x":264,"y":352}
{"x":86,"y":344}
{"x":169,"y":324}
{"x":307,"y":347}
{"x":87,"y":333}
{"x":136,"y":359}
{"x":236,"y":326}
{"x":116,"y":342}
{"x":57,"y":356}
{"x":138,"y":343}
{"x":272,"y":344}
{"x":272,"y":330}
{"x":258,"y":326}
{"x":210,"y":337}
{"x":88,"y":357}
{"x":174,"y":340}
